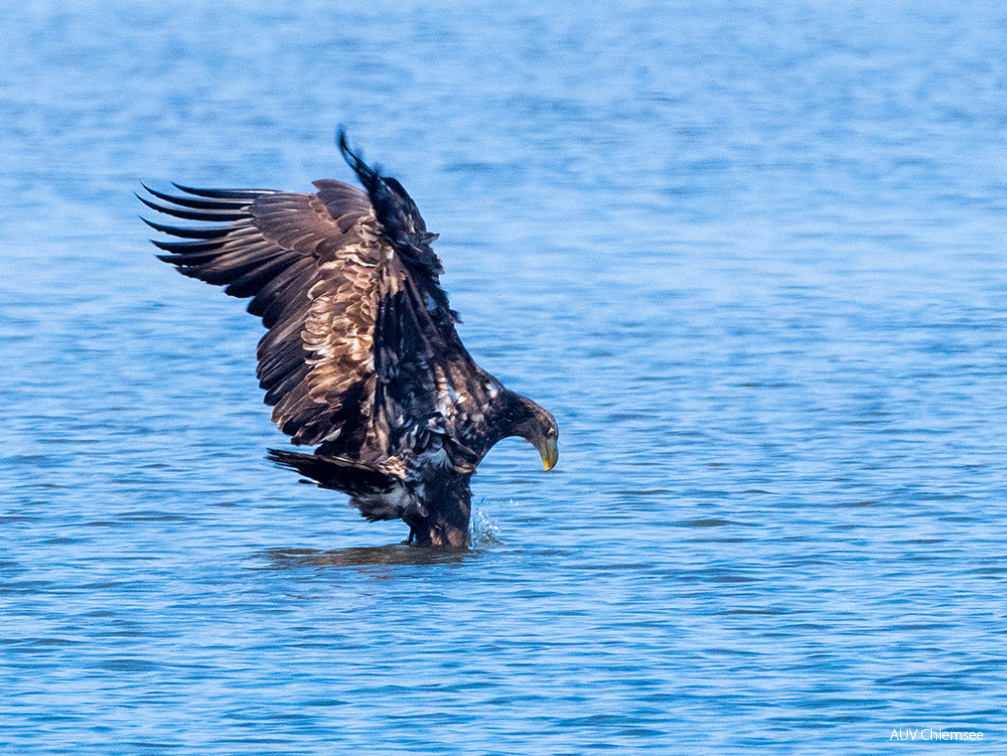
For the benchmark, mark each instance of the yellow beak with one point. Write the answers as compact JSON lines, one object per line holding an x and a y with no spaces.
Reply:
{"x":550,"y":453}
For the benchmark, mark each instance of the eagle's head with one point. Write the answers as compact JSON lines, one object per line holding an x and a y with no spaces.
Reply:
{"x":537,"y":426}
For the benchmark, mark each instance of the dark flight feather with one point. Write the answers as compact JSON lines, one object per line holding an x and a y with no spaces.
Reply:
{"x":361,"y":357}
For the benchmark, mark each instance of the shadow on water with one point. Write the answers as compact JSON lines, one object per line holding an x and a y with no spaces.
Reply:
{"x":395,"y":554}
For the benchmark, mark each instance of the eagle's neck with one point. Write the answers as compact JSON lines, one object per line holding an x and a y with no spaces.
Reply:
{"x":516,"y":414}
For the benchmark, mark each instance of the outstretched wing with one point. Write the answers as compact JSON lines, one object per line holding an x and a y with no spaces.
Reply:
{"x":361,"y":342}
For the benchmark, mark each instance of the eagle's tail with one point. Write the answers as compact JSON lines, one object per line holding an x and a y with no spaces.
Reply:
{"x":337,"y":473}
{"x":377,"y":495}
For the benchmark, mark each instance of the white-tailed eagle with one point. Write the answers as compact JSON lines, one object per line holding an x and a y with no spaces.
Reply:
{"x":361,"y":357}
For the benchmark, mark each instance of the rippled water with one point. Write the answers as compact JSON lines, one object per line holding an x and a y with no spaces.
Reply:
{"x":751,"y":257}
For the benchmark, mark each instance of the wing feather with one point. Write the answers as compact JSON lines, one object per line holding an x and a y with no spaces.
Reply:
{"x":361,"y":343}
{"x":287,"y":252}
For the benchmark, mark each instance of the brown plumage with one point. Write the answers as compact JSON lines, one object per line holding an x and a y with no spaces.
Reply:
{"x":361,"y":357}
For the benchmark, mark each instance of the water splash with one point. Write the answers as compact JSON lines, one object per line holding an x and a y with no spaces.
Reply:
{"x":485,"y":530}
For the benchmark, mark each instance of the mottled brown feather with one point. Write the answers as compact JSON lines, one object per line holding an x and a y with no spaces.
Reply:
{"x":360,"y":341}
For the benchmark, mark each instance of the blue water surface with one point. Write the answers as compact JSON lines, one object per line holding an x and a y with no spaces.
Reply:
{"x":751,"y":255}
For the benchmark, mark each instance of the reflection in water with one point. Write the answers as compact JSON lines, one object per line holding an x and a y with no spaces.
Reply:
{"x":394,"y":554}
{"x":484,"y":535}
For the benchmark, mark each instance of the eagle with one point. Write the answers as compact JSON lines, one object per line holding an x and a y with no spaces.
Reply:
{"x":361,"y":358}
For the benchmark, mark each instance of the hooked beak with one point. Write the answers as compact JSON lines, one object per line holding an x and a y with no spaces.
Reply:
{"x":550,"y":453}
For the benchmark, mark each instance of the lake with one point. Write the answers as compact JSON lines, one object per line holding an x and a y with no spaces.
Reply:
{"x":751,"y":256}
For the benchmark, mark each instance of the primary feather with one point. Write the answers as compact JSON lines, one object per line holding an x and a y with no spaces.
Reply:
{"x":361,"y":357}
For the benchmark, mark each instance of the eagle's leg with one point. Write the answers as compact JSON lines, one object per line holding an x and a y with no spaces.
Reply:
{"x":443,"y":520}
{"x":437,"y":531}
